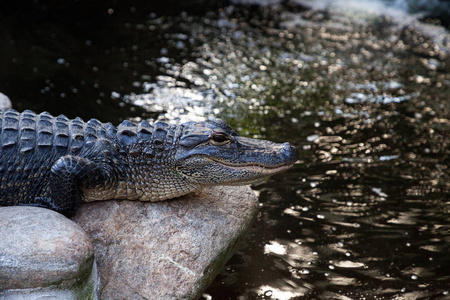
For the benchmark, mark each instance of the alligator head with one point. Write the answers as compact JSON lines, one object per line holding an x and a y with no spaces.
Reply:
{"x":211,"y":153}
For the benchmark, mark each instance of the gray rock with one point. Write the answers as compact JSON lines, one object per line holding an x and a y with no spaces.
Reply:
{"x":5,"y":103}
{"x":42,"y":253}
{"x":166,"y":250}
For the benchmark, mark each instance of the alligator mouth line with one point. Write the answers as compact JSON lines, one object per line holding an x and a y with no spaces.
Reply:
{"x":255,"y":167}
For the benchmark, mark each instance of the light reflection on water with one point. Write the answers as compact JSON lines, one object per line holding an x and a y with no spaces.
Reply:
{"x":353,"y":220}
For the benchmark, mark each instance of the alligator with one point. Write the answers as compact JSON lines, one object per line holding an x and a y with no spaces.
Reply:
{"x":58,"y":163}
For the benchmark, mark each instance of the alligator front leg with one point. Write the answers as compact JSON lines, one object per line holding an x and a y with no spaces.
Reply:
{"x":67,"y":173}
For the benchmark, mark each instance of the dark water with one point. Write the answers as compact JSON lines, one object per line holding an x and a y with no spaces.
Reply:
{"x":365,"y":212}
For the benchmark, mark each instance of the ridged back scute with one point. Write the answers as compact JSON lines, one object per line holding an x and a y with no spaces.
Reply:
{"x":50,"y":131}
{"x":61,"y":132}
{"x":44,"y":130}
{"x":127,"y":133}
{"x":27,"y":127}
{"x":28,"y":132}
{"x":145,"y":134}
{"x":93,"y":130}
{"x":76,"y":128}
{"x":150,"y":140}
{"x":10,"y":126}
{"x":144,"y":130}
{"x":160,"y":130}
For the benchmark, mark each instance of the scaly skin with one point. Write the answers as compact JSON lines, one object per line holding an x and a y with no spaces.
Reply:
{"x":57,"y":163}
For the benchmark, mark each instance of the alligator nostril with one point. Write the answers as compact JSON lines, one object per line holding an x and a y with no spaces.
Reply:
{"x":286,"y":148}
{"x":289,"y":151}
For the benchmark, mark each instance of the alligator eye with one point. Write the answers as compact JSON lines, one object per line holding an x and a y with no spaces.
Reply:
{"x":219,"y":139}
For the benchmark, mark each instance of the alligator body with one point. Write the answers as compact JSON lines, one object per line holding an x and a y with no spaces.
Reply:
{"x":56,"y":162}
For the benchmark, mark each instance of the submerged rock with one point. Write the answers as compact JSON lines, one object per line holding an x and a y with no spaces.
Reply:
{"x":44,"y":254}
{"x":166,"y":250}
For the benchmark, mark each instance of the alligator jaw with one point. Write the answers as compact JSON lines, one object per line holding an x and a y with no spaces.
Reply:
{"x":257,"y":168}
{"x":254,"y":172}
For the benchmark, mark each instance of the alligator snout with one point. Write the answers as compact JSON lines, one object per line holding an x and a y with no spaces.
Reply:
{"x":285,"y":153}
{"x":289,"y":152}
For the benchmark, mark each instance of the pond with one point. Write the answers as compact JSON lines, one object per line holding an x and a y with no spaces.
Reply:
{"x":364,"y":96}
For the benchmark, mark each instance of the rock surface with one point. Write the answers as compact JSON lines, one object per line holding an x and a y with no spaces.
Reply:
{"x":43,"y":253}
{"x":166,"y":250}
{"x":5,"y":103}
